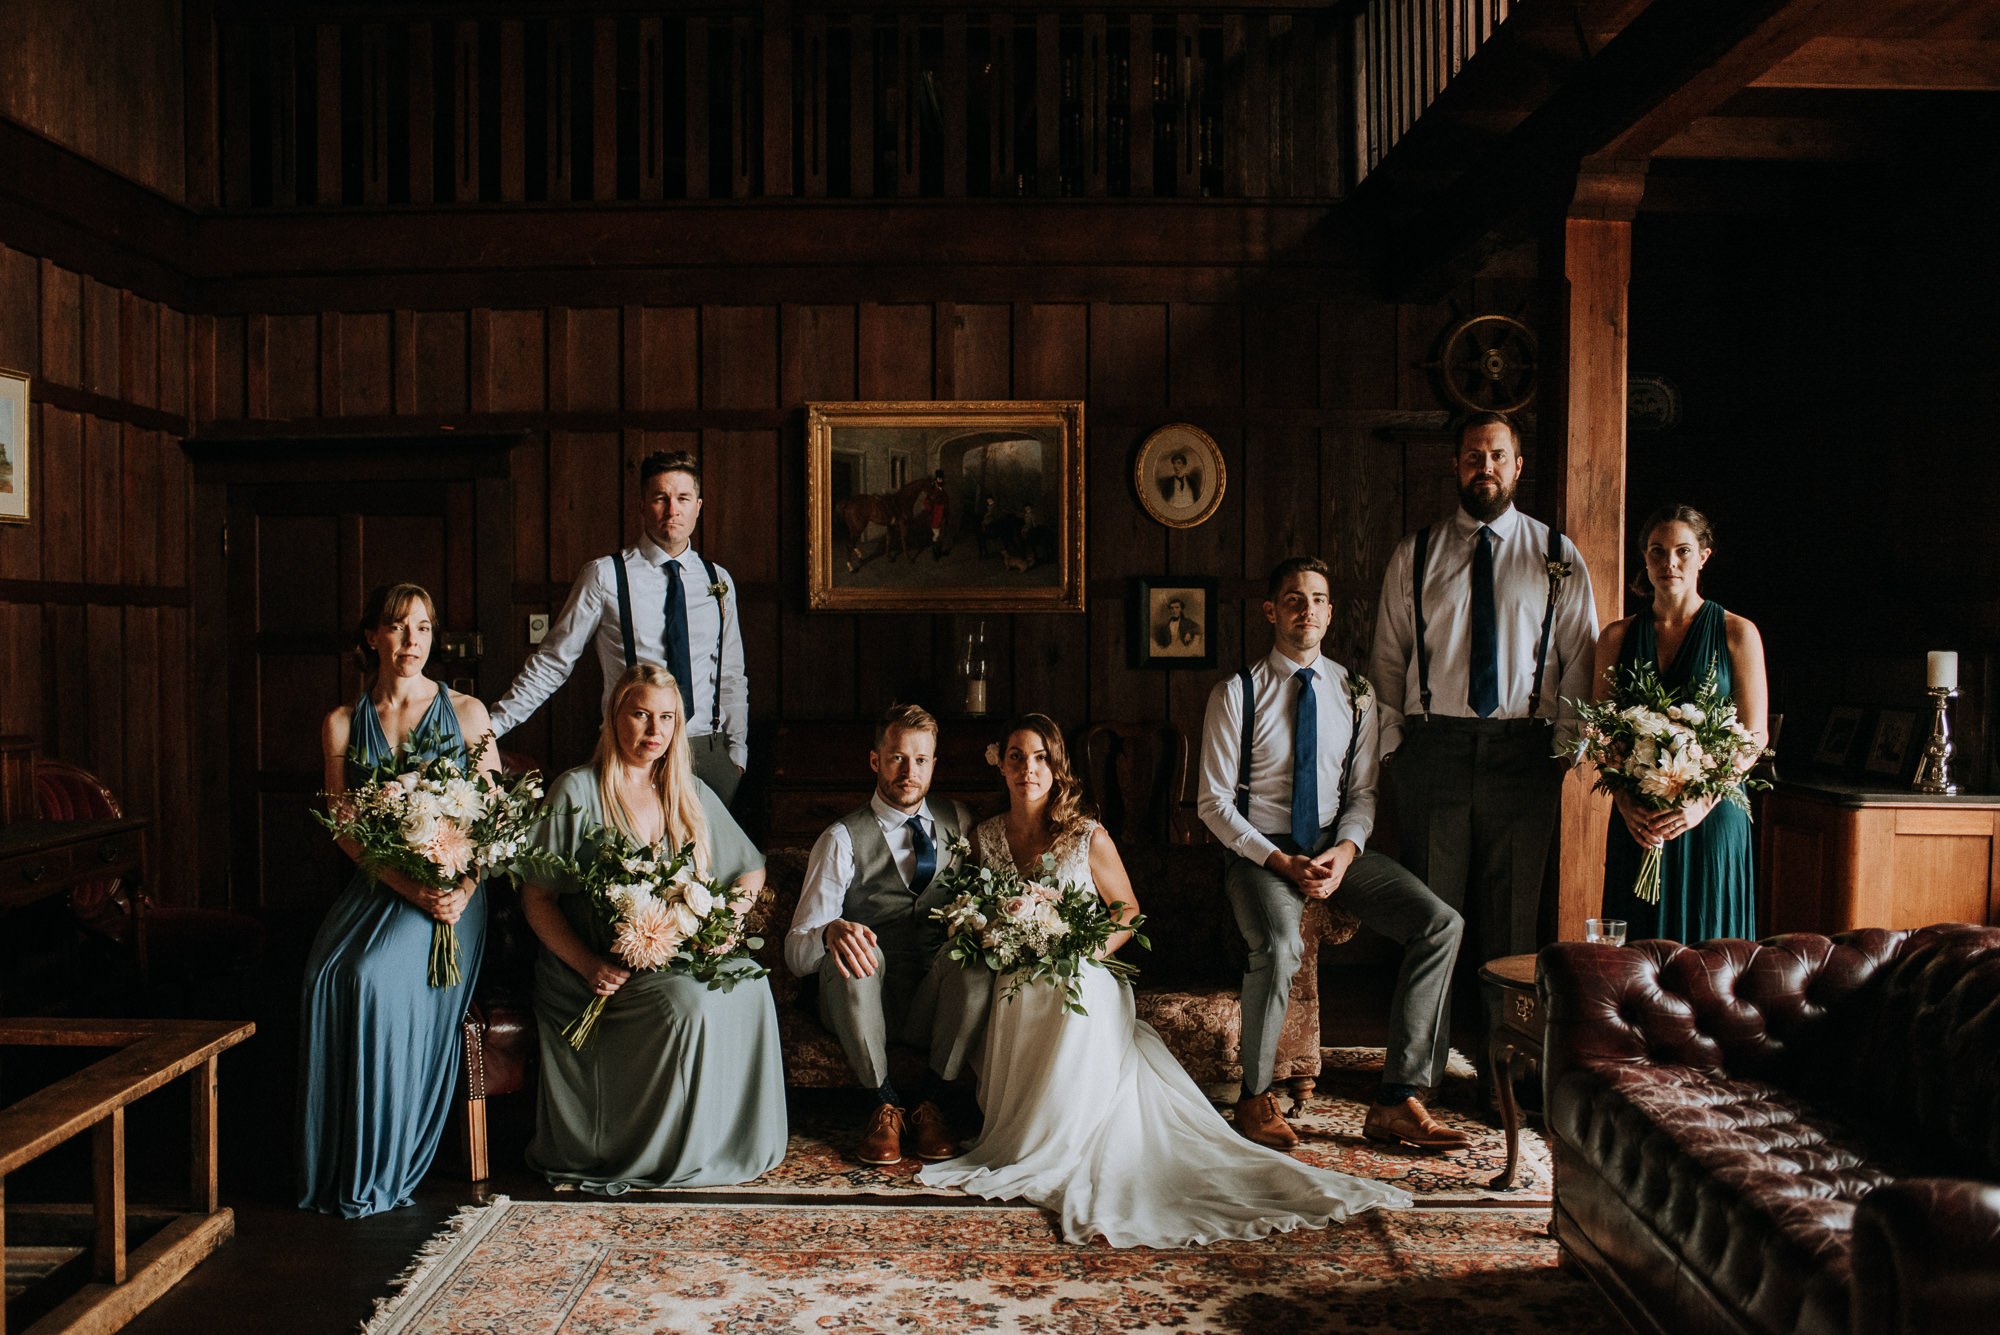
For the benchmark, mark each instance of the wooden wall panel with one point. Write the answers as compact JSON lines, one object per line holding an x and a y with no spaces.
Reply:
{"x":818,"y":650}
{"x":739,"y":357}
{"x":663,"y":370}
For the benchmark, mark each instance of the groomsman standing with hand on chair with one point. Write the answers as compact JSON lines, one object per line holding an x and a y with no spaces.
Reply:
{"x":1288,"y":767}
{"x":659,"y":602}
{"x":1485,"y":627}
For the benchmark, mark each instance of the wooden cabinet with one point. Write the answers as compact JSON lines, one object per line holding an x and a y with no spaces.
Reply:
{"x":1836,"y":857}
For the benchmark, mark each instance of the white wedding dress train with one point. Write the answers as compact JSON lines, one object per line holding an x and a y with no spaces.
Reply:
{"x":1091,"y":1117}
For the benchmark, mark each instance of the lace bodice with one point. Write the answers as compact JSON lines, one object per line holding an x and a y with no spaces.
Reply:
{"x":1072,"y":850}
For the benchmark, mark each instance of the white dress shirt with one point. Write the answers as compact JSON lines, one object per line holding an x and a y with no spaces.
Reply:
{"x":830,"y":871}
{"x":1270,"y":811}
{"x":1520,"y":598}
{"x":591,"y":614}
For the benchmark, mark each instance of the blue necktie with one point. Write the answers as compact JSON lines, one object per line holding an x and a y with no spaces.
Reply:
{"x":926,"y":856}
{"x":1483,"y":685}
{"x":676,"y":636}
{"x":1305,"y":765}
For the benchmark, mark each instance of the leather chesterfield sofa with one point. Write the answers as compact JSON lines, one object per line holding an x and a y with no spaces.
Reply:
{"x":1798,"y":1135}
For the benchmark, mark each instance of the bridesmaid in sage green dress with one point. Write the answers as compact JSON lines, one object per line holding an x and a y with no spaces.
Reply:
{"x":678,"y":1086}
{"x":379,"y":1046}
{"x":1707,"y":881}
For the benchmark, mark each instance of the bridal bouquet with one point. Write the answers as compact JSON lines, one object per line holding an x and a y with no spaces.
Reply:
{"x":663,"y":917}
{"x":1040,"y":930}
{"x":1665,"y":752}
{"x":429,"y":812}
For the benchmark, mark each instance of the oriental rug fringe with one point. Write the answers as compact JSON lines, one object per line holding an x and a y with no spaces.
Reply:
{"x":641,"y":1267}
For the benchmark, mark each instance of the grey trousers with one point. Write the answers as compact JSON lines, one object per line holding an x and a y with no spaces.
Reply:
{"x":939,"y":1009}
{"x":713,"y":766}
{"x":1476,"y":805}
{"x":1386,"y":897}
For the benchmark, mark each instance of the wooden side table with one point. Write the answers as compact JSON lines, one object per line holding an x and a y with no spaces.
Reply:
{"x":1514,"y":1033}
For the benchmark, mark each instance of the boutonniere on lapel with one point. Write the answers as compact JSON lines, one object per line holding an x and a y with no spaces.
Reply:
{"x":718,"y":590}
{"x":1558,"y":572}
{"x":1360,"y":692}
{"x":956,"y":850}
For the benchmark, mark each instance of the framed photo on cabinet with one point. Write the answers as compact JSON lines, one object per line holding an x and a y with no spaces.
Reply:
{"x":1837,"y":738}
{"x":14,"y":479}
{"x":1890,"y":754}
{"x":945,"y":507}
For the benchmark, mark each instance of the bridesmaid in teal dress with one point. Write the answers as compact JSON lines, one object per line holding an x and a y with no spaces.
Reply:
{"x":379,"y":1046}
{"x":1707,"y":881}
{"x":678,"y":1086}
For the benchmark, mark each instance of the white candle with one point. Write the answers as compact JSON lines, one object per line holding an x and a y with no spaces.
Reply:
{"x":1943,"y":665}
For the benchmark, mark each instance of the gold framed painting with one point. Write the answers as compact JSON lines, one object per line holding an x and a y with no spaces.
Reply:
{"x":945,"y":507}
{"x":1180,"y":475}
{"x":14,"y":479}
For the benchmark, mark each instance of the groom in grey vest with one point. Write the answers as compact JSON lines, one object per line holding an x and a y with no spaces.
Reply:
{"x":863,"y":927}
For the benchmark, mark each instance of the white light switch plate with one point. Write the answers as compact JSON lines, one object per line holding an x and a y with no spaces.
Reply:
{"x":538,"y":627}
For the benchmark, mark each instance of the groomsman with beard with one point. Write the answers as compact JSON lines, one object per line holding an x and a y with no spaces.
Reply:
{"x":864,"y":930}
{"x":1486,"y":626}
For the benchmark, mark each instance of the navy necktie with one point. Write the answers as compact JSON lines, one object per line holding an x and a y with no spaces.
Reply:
{"x":1305,"y":765}
{"x":676,"y":637}
{"x":926,"y":856}
{"x":1483,"y":683}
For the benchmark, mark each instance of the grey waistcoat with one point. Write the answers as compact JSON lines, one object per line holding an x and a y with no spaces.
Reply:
{"x":878,"y":897}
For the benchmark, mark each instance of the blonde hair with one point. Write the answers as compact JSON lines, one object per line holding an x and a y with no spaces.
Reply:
{"x":1067,"y":812}
{"x":673,"y":773}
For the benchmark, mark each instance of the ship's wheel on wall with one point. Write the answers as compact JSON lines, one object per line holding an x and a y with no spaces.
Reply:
{"x":1486,"y":363}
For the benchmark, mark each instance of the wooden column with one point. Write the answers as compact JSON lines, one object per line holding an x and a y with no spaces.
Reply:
{"x":1587,"y":273}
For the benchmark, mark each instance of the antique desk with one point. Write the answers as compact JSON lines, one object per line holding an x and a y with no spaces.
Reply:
{"x":40,"y":858}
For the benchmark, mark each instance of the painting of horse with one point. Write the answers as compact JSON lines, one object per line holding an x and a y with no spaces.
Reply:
{"x":892,"y":511}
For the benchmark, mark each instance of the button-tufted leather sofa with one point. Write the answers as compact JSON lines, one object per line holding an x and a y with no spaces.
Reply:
{"x":1798,"y":1135}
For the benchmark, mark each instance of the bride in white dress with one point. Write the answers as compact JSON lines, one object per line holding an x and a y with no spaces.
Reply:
{"x":1089,"y":1115}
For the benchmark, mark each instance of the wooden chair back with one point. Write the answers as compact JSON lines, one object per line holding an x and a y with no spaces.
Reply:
{"x":1136,"y":775}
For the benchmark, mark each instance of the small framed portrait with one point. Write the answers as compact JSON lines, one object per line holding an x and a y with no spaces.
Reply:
{"x":1179,"y":475}
{"x":1172,"y":616}
{"x":1889,"y":745}
{"x":1836,"y":739}
{"x":13,"y":447}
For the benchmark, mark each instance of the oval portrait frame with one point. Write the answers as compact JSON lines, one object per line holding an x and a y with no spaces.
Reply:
{"x":1205,"y":458}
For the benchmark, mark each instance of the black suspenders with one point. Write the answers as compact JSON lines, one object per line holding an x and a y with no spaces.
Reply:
{"x":1250,"y":727}
{"x":1419,"y":558}
{"x":631,"y":646}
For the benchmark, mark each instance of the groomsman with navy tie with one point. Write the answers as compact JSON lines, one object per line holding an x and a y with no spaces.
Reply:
{"x":659,"y":602}
{"x":1485,"y":630}
{"x":864,"y":930}
{"x":1288,"y":766}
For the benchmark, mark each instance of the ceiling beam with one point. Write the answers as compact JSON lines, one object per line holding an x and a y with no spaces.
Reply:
{"x":1783,"y":138}
{"x":1674,"y":64}
{"x":1900,"y":64}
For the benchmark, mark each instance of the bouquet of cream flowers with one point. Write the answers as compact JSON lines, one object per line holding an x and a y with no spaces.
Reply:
{"x":429,"y":812}
{"x":1039,"y":930}
{"x":1665,"y":752}
{"x":663,"y":917}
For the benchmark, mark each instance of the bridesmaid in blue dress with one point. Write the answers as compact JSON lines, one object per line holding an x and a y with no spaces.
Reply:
{"x":379,"y":1046}
{"x":1707,"y":881}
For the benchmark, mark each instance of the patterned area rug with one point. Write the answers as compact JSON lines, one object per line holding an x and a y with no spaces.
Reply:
{"x":826,"y":1126}
{"x":639,"y":1267}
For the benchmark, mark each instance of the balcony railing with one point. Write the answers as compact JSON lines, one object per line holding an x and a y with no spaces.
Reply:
{"x":786,"y":100}
{"x":1404,"y":52}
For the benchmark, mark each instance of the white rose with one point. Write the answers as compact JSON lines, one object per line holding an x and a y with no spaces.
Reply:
{"x":683,"y":919}
{"x":698,"y":898}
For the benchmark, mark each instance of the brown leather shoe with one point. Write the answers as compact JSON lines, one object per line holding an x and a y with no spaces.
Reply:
{"x":882,"y":1142}
{"x":1410,"y":1123}
{"x":930,"y":1138}
{"x":1258,"y":1119}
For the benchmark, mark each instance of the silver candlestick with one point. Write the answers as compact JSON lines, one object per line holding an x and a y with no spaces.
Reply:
{"x":1934,"y":770}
